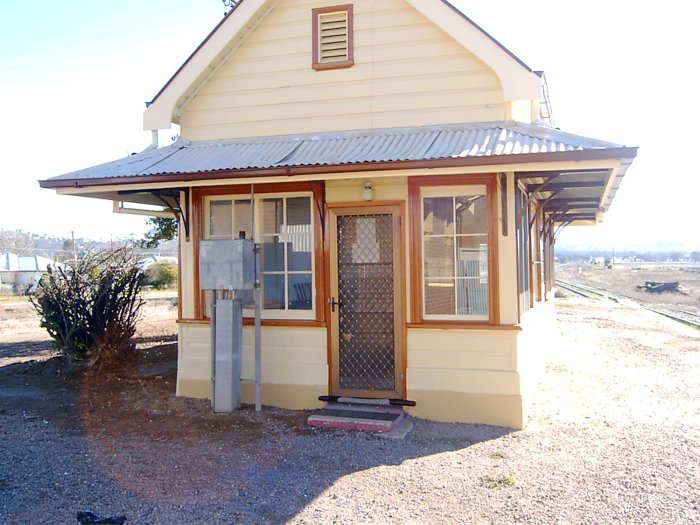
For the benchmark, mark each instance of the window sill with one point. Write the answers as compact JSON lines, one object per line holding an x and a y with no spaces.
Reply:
{"x":248,"y":321}
{"x":462,"y":325}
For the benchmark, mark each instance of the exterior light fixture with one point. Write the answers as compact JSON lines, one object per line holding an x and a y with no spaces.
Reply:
{"x":367,"y":193}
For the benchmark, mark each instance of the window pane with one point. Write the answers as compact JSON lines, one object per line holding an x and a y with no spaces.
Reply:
{"x":242,"y":217}
{"x":472,"y":297}
{"x":299,"y":253}
{"x":439,"y":297}
{"x":273,"y":292}
{"x":272,"y":215}
{"x":472,"y":257}
{"x":299,"y":292}
{"x":208,"y":300}
{"x":471,"y":242}
{"x":439,"y":257}
{"x":455,"y":253}
{"x":220,"y":223}
{"x":438,"y":215}
{"x":299,"y":215}
{"x":471,"y":214}
{"x":272,"y":254}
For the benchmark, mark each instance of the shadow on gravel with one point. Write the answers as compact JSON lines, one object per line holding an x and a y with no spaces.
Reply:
{"x":321,"y":457}
{"x":139,"y":450}
{"x":25,"y":349}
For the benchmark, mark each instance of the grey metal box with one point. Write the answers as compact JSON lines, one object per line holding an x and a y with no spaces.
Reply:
{"x":227,"y":264}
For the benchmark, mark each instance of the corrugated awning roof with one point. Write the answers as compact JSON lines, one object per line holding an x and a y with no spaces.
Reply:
{"x":337,"y":149}
{"x":485,"y":144}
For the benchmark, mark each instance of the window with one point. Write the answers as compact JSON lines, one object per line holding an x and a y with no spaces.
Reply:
{"x":454,"y":277}
{"x":287,"y":253}
{"x":332,"y":37}
{"x":284,"y":229}
{"x":455,"y":253}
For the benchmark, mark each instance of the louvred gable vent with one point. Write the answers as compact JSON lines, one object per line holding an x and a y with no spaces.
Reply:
{"x":333,"y":37}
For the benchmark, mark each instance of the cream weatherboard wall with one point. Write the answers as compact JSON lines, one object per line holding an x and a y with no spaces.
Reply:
{"x":463,"y":375}
{"x":467,"y":375}
{"x":536,"y":343}
{"x":407,"y":72}
{"x":294,"y":365}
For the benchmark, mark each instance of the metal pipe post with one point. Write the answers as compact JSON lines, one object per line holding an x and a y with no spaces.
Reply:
{"x":258,"y":342}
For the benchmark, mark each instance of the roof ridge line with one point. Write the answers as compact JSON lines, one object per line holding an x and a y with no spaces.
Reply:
{"x":518,"y":126}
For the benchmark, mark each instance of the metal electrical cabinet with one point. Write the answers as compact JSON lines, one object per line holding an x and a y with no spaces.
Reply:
{"x":227,"y":264}
{"x":227,"y":267}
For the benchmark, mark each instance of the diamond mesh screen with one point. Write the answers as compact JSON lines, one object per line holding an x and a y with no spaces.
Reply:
{"x":366,"y":292}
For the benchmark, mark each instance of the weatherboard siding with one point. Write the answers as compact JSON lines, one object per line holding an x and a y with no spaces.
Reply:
{"x":294,"y":364}
{"x":406,"y":72}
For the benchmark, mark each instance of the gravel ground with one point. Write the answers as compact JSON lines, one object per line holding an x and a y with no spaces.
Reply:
{"x":614,"y":438}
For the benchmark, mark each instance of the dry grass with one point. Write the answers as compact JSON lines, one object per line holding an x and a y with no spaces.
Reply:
{"x":624,"y":278}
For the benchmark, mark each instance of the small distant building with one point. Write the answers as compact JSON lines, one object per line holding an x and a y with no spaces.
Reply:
{"x":146,"y":262}
{"x":22,"y":272}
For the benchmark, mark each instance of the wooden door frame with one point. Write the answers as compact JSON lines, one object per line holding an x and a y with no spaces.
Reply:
{"x":400,"y":337}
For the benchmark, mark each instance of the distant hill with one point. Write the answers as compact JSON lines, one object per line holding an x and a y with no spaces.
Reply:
{"x":660,"y":247}
{"x":61,"y":248}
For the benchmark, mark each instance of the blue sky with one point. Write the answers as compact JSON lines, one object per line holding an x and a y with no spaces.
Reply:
{"x":74,"y":76}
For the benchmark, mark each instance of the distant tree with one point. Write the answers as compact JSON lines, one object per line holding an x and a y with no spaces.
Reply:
{"x":162,"y":274}
{"x":68,"y":250}
{"x":695,"y":256}
{"x":162,"y":229}
{"x":16,"y":241}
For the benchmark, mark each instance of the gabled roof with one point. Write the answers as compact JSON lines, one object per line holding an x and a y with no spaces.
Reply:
{"x":519,"y":82}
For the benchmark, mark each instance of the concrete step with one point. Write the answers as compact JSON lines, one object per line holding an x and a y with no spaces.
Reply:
{"x":370,"y":418}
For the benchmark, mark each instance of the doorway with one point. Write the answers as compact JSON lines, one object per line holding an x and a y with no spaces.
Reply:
{"x":366,"y":310}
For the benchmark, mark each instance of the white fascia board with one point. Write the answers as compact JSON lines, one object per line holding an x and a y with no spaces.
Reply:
{"x":517,"y":82}
{"x":162,"y":112}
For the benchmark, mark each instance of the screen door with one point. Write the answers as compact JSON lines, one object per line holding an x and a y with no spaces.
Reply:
{"x":365,"y":303}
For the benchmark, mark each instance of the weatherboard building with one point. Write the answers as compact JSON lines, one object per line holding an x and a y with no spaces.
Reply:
{"x":400,"y":170}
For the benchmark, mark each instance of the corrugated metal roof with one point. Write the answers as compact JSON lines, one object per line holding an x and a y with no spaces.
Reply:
{"x":343,"y":148}
{"x":9,"y":262}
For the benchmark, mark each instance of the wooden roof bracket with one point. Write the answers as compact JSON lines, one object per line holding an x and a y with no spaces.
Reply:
{"x":174,"y":205}
{"x":531,"y":195}
{"x":540,"y":205}
{"x":559,"y":229}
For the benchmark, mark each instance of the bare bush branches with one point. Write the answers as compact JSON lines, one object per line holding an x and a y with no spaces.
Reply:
{"x":91,"y":309}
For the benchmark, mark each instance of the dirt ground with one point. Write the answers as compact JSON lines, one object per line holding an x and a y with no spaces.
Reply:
{"x":625,"y":278}
{"x":119,"y":410}
{"x":614,"y":438}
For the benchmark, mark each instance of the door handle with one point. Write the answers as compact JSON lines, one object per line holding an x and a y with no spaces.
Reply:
{"x":334,"y":303}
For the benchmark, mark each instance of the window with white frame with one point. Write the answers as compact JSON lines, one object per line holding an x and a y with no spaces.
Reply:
{"x":455,"y":252}
{"x":284,"y":229}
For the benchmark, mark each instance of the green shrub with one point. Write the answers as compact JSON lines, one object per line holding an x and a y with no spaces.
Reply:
{"x":91,"y":309}
{"x":162,"y":274}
